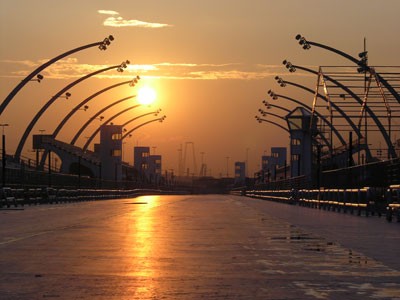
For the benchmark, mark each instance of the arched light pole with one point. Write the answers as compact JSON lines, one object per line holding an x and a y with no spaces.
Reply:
{"x":120,"y":68}
{"x":270,"y":105}
{"x":260,"y":120}
{"x":264,"y":113}
{"x":141,"y":125}
{"x":362,"y":62}
{"x":84,"y":126}
{"x":96,"y":115}
{"x":283,"y":83}
{"x":276,"y":96}
{"x":155,"y":113}
{"x":292,"y":68}
{"x":102,"y":46}
{"x":131,"y":83}
{"x":106,"y":122}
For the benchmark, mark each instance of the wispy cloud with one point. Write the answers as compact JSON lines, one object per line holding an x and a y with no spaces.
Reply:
{"x":115,"y":20}
{"x":71,"y":68}
{"x":107,"y":12}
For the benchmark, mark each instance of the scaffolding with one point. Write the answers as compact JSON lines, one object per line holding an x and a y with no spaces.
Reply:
{"x":369,"y":99}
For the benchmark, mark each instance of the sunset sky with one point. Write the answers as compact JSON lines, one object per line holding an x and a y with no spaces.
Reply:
{"x":211,"y":64}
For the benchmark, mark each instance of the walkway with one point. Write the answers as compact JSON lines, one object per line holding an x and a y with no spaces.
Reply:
{"x":195,"y":247}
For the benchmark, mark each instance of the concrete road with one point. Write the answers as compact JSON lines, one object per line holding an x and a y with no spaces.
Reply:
{"x":195,"y":247}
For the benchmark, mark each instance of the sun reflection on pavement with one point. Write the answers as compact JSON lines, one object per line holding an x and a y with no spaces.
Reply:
{"x":142,"y":244}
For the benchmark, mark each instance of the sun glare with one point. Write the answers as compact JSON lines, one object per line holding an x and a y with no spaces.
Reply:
{"x":146,"y":95}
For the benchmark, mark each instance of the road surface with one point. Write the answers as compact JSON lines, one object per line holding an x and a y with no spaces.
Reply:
{"x":195,"y":247}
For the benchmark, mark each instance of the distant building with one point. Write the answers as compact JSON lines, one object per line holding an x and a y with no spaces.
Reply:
{"x":148,"y":166}
{"x":240,"y":173}
{"x":302,"y":129}
{"x":154,"y":170}
{"x":141,"y":160}
{"x":271,"y":165}
{"x":110,"y":151}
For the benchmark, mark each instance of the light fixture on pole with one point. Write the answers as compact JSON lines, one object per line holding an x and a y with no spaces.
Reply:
{"x":106,"y":42}
{"x":39,"y":78}
{"x":289,"y":66}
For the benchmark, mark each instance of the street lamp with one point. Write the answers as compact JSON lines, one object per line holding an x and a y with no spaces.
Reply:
{"x":100,"y":118}
{"x":105,"y":122}
{"x":303,"y":42}
{"x":38,"y":78}
{"x":260,"y":120}
{"x":104,"y":43}
{"x":362,"y":63}
{"x":66,"y":95}
{"x":270,"y":106}
{"x":29,"y":128}
{"x":280,"y":81}
{"x":141,"y":116}
{"x":3,"y":155}
{"x":386,"y":137}
{"x":123,"y":66}
{"x":128,"y":134}
{"x":131,"y":83}
{"x":289,"y":66}
{"x":275,"y":96}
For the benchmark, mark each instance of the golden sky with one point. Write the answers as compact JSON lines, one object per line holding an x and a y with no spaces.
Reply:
{"x":210,"y":62}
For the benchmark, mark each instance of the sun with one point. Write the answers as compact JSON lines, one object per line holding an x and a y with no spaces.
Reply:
{"x":146,"y":95}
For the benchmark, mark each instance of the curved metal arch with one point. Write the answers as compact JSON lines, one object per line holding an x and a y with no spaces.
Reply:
{"x":337,"y":51}
{"x":357,"y":62}
{"x":47,"y":105}
{"x":277,"y":106}
{"x":274,"y":123}
{"x":319,"y":133}
{"x":337,"y":108}
{"x":105,"y":122}
{"x":337,"y":133}
{"x":44,"y":155}
{"x":41,"y":68}
{"x":370,"y":112}
{"x":275,"y":115}
{"x":141,"y":116}
{"x":84,"y":126}
{"x":145,"y":123}
{"x":77,"y":107}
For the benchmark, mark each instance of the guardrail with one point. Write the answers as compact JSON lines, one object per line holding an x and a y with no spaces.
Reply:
{"x":366,"y":201}
{"x":15,"y":197}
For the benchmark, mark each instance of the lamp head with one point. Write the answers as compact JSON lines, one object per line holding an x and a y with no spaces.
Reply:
{"x":106,"y":42}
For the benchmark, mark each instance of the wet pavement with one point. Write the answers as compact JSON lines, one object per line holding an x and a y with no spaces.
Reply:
{"x":195,"y":247}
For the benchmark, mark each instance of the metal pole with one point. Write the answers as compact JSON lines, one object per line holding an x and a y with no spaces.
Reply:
{"x":318,"y":166}
{"x":298,"y":165}
{"x":79,"y":172}
{"x":49,"y":168}
{"x":285,"y":169}
{"x":350,"y":154}
{"x":3,"y":160}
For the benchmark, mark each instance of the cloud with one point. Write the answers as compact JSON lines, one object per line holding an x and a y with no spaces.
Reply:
{"x":70,"y":68}
{"x":108,"y":12}
{"x":193,"y":71}
{"x":115,"y":20}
